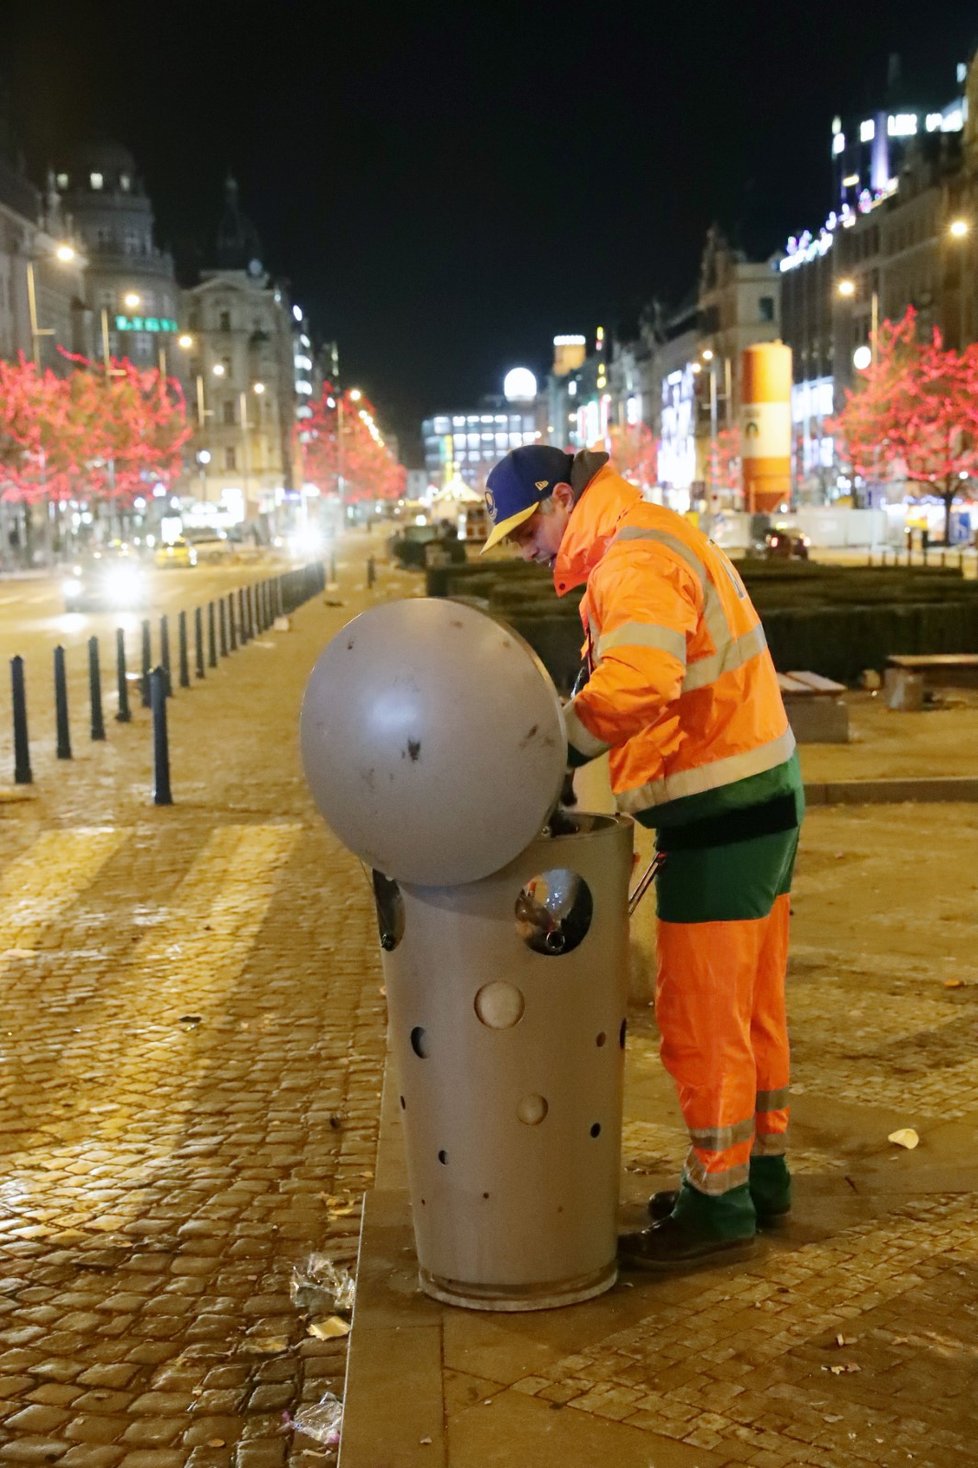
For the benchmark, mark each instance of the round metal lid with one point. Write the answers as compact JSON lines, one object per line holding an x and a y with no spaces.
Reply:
{"x":432,"y":741}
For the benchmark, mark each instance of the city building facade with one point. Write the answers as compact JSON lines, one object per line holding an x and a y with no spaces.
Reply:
{"x":250,"y":368}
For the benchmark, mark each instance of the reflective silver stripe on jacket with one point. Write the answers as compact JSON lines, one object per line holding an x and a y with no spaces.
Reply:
{"x":736,"y":652}
{"x":581,"y":738}
{"x":645,"y":634}
{"x":719,"y":1138}
{"x":714,"y":1184}
{"x":769,"y":1144}
{"x":731,"y":652}
{"x":709,"y":776}
{"x":772,"y":1100}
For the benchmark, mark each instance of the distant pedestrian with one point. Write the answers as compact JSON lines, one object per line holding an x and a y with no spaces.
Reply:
{"x":683,"y":694}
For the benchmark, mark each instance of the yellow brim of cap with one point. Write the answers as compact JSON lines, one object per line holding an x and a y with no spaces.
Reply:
{"x":499,"y":532}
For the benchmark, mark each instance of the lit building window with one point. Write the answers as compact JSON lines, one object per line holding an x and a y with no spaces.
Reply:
{"x":96,"y":180}
{"x":902,"y":124}
{"x":125,"y":182}
{"x":867,"y":131}
{"x":838,"y":144}
{"x":63,"y":177}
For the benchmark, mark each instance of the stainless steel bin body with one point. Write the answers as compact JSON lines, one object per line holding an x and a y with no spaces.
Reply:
{"x":507,"y":1026}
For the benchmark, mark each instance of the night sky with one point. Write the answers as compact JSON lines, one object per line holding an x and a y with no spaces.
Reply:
{"x":448,"y":186}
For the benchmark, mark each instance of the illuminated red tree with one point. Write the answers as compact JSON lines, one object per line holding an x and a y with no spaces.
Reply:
{"x":915,"y":414}
{"x":88,"y":435}
{"x":635,"y":452}
{"x":343,"y":452}
{"x":724,"y":462}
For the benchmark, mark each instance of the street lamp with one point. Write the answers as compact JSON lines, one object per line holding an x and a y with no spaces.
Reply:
{"x":132,"y":300}
{"x":847,"y":289}
{"x":218,"y":369}
{"x":958,"y":231}
{"x":65,"y":254}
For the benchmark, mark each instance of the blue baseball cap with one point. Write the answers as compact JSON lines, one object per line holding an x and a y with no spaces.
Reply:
{"x":519,"y":484}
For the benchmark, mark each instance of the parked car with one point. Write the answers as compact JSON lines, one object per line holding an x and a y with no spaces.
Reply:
{"x":105,"y":581}
{"x":784,"y":541}
{"x":210,"y":546}
{"x":176,"y":553}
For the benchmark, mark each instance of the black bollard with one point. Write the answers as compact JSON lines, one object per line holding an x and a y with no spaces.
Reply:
{"x":231,"y":628}
{"x":371,"y":572}
{"x":61,"y":704}
{"x":222,"y":626}
{"x":242,"y":616}
{"x":22,"y":758}
{"x":199,"y":642}
{"x":211,"y":637}
{"x":165,"y":654}
{"x":183,"y":651}
{"x":147,"y":660}
{"x":161,"y":747}
{"x":123,"y":713}
{"x":263,"y":605}
{"x":253,"y":624}
{"x":95,"y":689}
{"x":279,"y":606}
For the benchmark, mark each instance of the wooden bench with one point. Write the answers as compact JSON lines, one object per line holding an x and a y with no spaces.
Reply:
{"x":815,"y":708}
{"x":906,"y":675}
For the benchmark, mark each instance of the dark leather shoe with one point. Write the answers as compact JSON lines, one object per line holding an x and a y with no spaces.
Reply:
{"x":660,"y":1205}
{"x":670,"y":1245}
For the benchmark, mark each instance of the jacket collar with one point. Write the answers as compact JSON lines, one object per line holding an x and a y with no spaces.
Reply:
{"x":592,"y":526}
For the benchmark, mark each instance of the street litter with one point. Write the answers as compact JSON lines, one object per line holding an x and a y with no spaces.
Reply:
{"x":190,"y":1019}
{"x":954,"y":983}
{"x":904,"y":1137}
{"x":319,"y":1285}
{"x":324,"y":1422}
{"x":323,"y":1330}
{"x":267,"y":1345}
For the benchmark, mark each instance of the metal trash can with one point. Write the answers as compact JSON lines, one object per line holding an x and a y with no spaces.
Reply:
{"x":433,"y":742}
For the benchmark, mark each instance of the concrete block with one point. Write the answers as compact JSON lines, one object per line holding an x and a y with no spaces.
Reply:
{"x":817,"y":720}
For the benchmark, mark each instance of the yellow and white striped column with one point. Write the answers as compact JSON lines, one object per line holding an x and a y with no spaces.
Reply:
{"x":765,"y":425}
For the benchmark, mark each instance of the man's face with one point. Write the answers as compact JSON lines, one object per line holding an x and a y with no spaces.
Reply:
{"x":538,"y":538}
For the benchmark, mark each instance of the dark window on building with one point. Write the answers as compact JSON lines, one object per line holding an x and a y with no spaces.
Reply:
{"x":766,"y":308}
{"x":230,"y":459}
{"x":227,"y":365}
{"x":229,"y":412}
{"x":225,"y":321}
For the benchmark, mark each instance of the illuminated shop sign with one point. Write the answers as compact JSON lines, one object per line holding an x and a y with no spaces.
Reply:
{"x":145,"y":323}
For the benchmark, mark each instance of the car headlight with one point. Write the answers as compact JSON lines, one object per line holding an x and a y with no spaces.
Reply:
{"x":71,"y":586}
{"x":123,"y":584}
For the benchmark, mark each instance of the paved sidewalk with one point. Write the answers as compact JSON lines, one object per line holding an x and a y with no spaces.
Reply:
{"x":192,"y":1031}
{"x":193,"y":1050}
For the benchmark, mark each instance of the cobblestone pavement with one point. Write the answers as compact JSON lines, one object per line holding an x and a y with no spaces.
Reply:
{"x":191,"y":1029}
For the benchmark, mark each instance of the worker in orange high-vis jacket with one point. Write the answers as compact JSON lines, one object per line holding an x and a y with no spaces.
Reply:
{"x":683,"y":695}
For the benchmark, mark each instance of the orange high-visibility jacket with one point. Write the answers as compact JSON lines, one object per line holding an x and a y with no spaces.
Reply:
{"x":682,"y":689}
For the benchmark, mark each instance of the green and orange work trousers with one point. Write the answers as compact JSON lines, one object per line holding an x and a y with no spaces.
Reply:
{"x":722,"y":933}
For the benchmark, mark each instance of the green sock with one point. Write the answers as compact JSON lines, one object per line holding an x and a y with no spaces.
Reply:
{"x":727,"y":1216}
{"x":770,"y":1184}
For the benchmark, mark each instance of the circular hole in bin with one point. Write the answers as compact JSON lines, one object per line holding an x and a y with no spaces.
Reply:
{"x":596,"y":1129}
{"x":403,"y":1104}
{"x":443,"y":1157}
{"x":390,"y":911}
{"x":600,"y":1038}
{"x":419,"y":1042}
{"x":485,"y":1195}
{"x":499,"y":1005}
{"x":554,"y":911}
{"x":532,"y":1109}
{"x":621,"y":1033}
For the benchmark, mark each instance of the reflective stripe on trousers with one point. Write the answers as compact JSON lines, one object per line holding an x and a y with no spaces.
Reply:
{"x":720,"y":1008}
